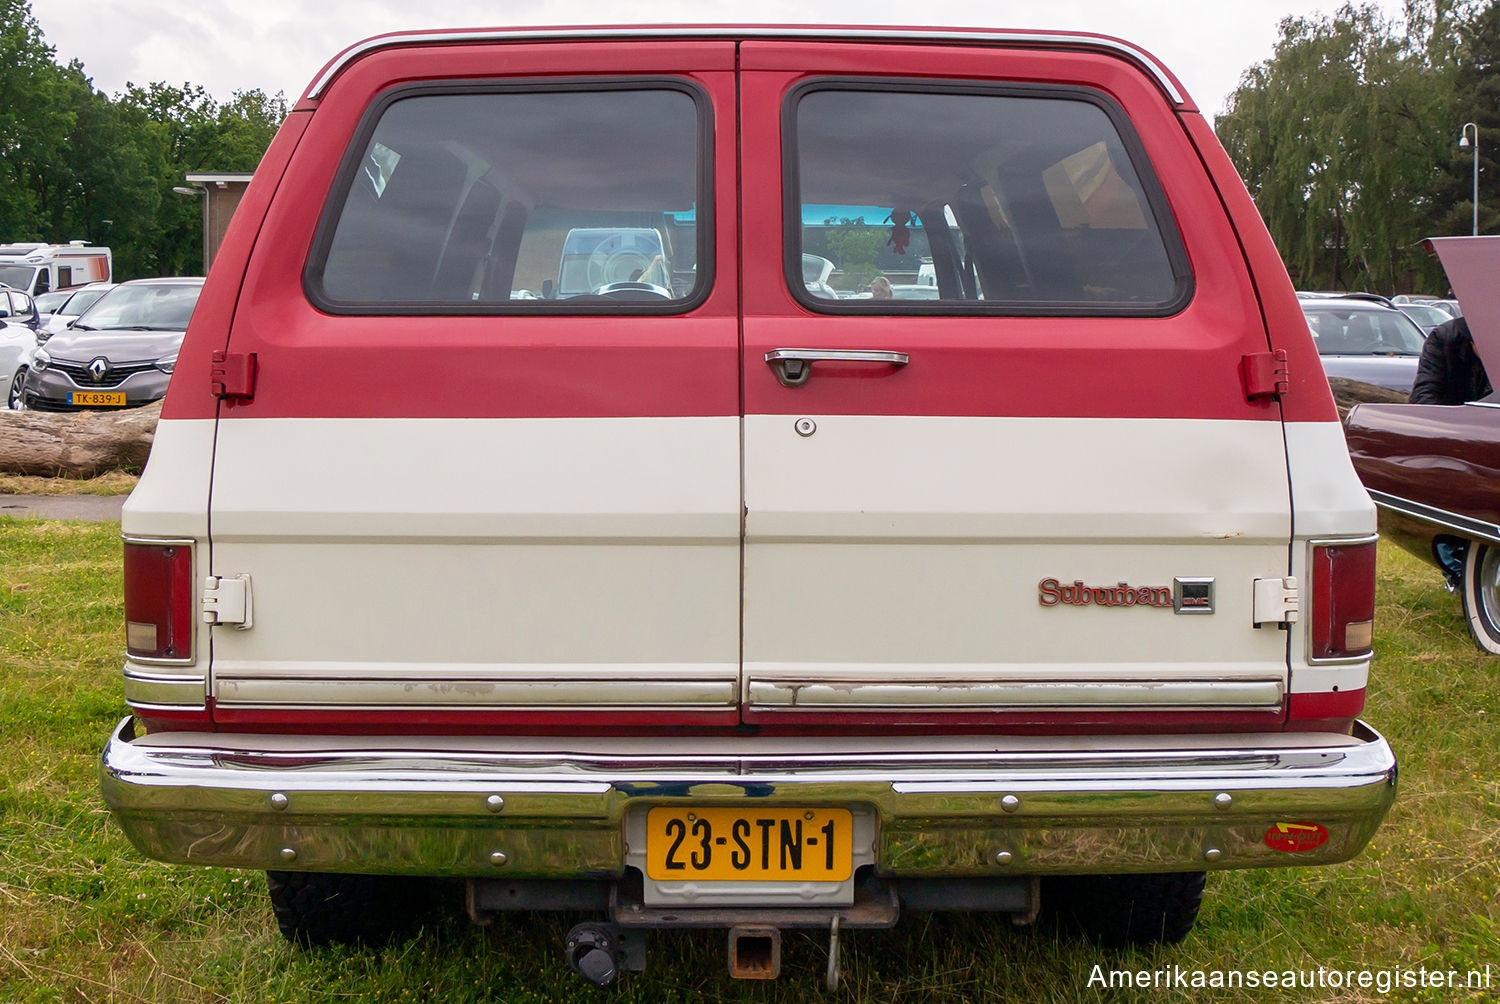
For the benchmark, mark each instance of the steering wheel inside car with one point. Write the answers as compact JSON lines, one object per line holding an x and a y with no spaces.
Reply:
{"x":632,"y":291}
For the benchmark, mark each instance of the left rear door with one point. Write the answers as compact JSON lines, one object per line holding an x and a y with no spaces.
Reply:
{"x":473,"y":489}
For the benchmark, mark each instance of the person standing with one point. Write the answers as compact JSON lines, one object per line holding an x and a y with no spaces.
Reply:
{"x":1449,"y":370}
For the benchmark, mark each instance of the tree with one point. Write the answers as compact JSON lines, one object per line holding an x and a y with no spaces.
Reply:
{"x":76,"y":164}
{"x":1342,"y":137}
{"x":1476,"y":61}
{"x":28,"y":112}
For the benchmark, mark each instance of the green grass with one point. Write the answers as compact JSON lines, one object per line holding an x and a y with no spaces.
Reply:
{"x":84,"y":918}
{"x":111,"y":483}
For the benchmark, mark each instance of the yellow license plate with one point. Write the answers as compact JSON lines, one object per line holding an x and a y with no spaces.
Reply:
{"x":749,"y":845}
{"x":97,"y":397}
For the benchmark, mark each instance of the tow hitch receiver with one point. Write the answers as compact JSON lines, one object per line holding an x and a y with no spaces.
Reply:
{"x":754,"y":953}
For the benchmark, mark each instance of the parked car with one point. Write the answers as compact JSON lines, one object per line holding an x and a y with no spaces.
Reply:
{"x":1432,"y":469}
{"x":1361,"y":339}
{"x":742,"y":604}
{"x":119,"y":352}
{"x":1426,"y":316}
{"x":65,"y":311}
{"x":18,"y":327}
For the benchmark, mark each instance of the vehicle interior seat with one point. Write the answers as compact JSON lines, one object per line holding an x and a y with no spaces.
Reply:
{"x":1360,"y":335}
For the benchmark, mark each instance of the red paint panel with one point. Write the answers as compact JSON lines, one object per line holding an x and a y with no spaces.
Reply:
{"x":1331,"y":711}
{"x":1334,"y":712}
{"x":1309,"y":399}
{"x":317,"y":365}
{"x":189,"y":394}
{"x":438,"y":721}
{"x":333,"y":722}
{"x":1183,"y":366}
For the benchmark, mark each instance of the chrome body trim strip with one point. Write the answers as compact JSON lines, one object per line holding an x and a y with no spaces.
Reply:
{"x":556,"y":808}
{"x":1039,"y":695}
{"x":162,"y":690}
{"x":1464,"y":525}
{"x":1112,"y":46}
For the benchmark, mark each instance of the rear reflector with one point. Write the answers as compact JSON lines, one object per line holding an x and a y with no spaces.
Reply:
{"x":1343,"y":601}
{"x":159,"y":601}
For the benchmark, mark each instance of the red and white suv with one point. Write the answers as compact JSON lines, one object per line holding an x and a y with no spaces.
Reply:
{"x":699,"y":594}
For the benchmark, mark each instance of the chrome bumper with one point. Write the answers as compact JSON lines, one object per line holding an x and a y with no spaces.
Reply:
{"x":529,"y":807}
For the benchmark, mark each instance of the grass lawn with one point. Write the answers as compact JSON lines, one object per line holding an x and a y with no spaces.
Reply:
{"x":112,"y":483}
{"x":83,"y":918}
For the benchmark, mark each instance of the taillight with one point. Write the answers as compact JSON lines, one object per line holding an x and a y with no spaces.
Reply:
{"x":159,"y":622}
{"x":1342,"y":621}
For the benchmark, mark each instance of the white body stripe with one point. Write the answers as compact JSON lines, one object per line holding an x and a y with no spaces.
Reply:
{"x":898,"y":551}
{"x":548,"y":563}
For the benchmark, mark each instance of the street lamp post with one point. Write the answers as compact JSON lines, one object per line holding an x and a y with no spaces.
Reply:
{"x":1463,"y":144}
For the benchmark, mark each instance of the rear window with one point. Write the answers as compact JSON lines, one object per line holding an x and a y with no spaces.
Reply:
{"x":1012,"y":200}
{"x":523,"y":198}
{"x":1363,"y":331}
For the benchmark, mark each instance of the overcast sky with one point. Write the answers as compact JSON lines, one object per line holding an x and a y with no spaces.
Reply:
{"x":278,"y":45}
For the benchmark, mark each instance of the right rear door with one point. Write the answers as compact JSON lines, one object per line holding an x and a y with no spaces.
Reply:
{"x":1037,"y":495}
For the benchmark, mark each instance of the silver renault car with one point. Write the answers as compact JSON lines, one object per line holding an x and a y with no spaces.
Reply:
{"x":119,"y":353}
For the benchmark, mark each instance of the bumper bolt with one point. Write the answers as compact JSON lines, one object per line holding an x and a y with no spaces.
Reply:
{"x":280,"y":801}
{"x":1010,"y":803}
{"x":1212,"y":854}
{"x":1003,"y":857}
{"x":498,"y":858}
{"x":494,"y":803}
{"x":1223,"y":800}
{"x":288,"y":854}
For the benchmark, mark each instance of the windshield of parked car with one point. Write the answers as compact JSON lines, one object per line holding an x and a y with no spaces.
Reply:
{"x":1423,"y":314}
{"x":16,"y":276}
{"x":147,"y":307}
{"x":48,"y":303}
{"x":80,"y":301}
{"x":1341,"y":329}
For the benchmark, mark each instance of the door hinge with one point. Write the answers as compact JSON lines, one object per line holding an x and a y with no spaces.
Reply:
{"x":1264,"y":374}
{"x":233,"y":375}
{"x":226,"y":600}
{"x":1276,"y":601}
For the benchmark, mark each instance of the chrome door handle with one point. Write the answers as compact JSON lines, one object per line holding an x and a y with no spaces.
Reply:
{"x":794,"y":366}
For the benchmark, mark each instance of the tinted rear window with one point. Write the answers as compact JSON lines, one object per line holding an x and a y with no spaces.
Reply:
{"x":519,"y":199}
{"x":1027,"y":202}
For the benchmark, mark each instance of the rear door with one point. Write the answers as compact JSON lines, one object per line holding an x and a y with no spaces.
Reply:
{"x":1000,"y":466}
{"x":469,"y":491}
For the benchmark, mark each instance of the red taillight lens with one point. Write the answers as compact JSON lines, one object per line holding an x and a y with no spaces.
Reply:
{"x":159,"y":601}
{"x":1343,"y":600}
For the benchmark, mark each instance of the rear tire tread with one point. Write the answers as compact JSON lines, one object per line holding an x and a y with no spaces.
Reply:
{"x":315,"y":909}
{"x":1117,"y":911}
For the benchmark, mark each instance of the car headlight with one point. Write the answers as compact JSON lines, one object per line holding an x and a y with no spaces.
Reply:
{"x":165,"y":363}
{"x":41,"y":360}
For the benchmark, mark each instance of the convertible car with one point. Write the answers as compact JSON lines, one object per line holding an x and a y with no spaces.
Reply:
{"x":1434,"y":470}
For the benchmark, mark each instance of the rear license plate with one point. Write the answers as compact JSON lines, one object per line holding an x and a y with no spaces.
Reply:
{"x":97,"y":397}
{"x":749,"y":845}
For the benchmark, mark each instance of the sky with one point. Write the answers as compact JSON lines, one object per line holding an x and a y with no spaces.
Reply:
{"x":279,"y":45}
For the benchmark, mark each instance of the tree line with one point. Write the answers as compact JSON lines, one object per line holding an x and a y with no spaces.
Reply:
{"x":80,"y":165}
{"x":1348,"y":138}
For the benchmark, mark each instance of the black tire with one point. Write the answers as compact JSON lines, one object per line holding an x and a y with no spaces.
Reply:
{"x":1481,"y":601}
{"x":1116,"y":911}
{"x":314,"y":909}
{"x":15,"y":399}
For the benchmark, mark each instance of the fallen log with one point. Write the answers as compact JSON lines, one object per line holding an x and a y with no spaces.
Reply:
{"x":1348,"y":393}
{"x":79,"y":445}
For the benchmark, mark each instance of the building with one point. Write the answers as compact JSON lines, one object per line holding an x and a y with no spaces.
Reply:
{"x":221,"y":193}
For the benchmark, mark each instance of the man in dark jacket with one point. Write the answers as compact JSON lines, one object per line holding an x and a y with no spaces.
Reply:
{"x":1450,"y":371}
